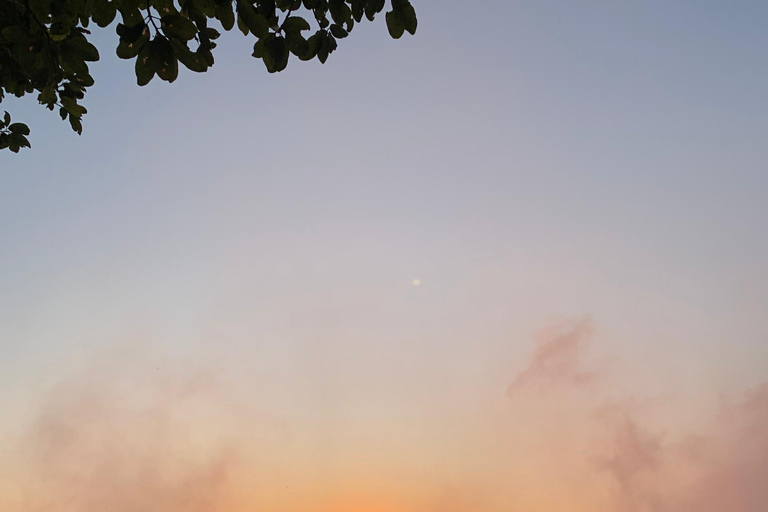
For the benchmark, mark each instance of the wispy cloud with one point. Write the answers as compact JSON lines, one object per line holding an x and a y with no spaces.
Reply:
{"x":104,"y":443}
{"x":720,"y":465}
{"x":734,"y":473}
{"x":558,"y":357}
{"x":630,"y":451}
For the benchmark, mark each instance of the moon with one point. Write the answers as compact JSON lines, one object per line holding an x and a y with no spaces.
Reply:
{"x":416,"y":282}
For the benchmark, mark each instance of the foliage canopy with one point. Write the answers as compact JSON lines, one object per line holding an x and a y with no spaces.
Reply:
{"x":44,"y":45}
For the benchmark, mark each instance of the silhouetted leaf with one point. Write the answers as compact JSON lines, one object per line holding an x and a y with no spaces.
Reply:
{"x":104,"y":12}
{"x":179,"y":27}
{"x":45,"y":46}
{"x":257,"y":24}
{"x":295,"y":24}
{"x":162,"y":58}
{"x":395,"y":25}
{"x":338,"y":31}
{"x":275,"y":54}
{"x":20,"y":128}
{"x":126,"y":50}
{"x":191,"y":60}
{"x":144,"y":69}
{"x":225,"y":15}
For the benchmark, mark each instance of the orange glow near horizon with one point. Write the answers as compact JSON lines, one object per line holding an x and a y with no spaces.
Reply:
{"x":123,"y":436}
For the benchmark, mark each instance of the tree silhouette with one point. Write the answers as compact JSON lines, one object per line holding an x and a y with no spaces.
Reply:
{"x":44,"y":44}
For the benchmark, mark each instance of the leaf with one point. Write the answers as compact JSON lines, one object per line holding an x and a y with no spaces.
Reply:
{"x":72,"y":60}
{"x":339,"y":10}
{"x":164,"y":7}
{"x":325,"y":47}
{"x":162,"y":58}
{"x":225,"y":15}
{"x":71,"y":106}
{"x":254,"y":20}
{"x":297,"y":44}
{"x":126,"y":50}
{"x":82,"y":48}
{"x":258,"y":49}
{"x":372,"y":8}
{"x":401,"y":18}
{"x":20,"y":128}
{"x":84,"y":80}
{"x":313,"y":45}
{"x":407,"y":15}
{"x":206,"y":56}
{"x":40,"y":8}
{"x":6,"y":119}
{"x":131,"y":15}
{"x":20,"y":140}
{"x":144,"y":69}
{"x":293,"y":27}
{"x":76,"y":124}
{"x":295,"y":24}
{"x":179,"y":27}
{"x":241,"y":25}
{"x":104,"y":12}
{"x":47,"y":96}
{"x":275,"y":53}
{"x":187,"y":57}
{"x":131,"y":33}
{"x":338,"y":31}
{"x":211,"y":33}
{"x":358,"y":9}
{"x":59,"y":30}
{"x":395,"y":25}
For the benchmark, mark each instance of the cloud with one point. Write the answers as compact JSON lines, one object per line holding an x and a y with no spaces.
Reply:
{"x":131,"y":435}
{"x":633,"y":449}
{"x":106,"y":442}
{"x":557,"y":358}
{"x":714,"y":466}
{"x":630,"y":452}
{"x":734,"y":473}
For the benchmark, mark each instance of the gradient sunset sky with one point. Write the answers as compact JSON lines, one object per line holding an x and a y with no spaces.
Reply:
{"x":207,"y":301}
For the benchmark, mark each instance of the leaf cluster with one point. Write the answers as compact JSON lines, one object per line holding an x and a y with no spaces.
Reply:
{"x":13,"y":136}
{"x":45,"y":47}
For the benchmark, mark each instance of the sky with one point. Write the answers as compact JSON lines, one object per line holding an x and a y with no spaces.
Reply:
{"x":208,"y":300}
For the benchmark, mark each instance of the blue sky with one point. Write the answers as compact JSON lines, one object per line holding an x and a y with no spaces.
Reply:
{"x":626,"y":138}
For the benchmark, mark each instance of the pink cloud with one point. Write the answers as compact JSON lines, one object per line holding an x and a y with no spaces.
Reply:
{"x":557,"y":358}
{"x":91,"y":449}
{"x":734,"y":477}
{"x":632,"y":448}
{"x":717,"y":466}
